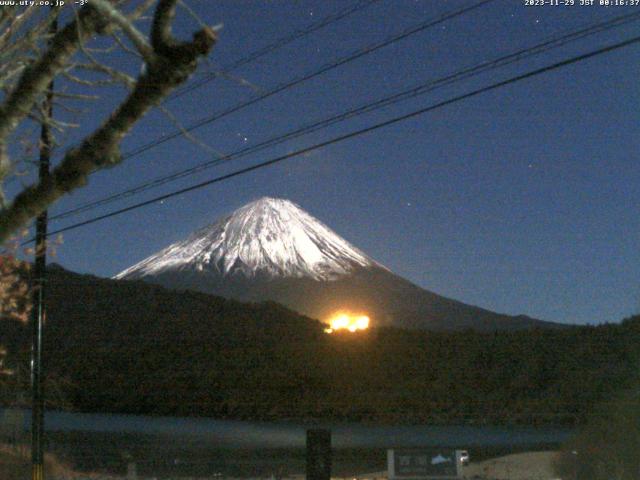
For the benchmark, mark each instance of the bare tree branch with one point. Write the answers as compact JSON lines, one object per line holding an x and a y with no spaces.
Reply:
{"x":136,"y":37}
{"x":37,"y":77}
{"x":75,"y":96}
{"x":141,"y":9}
{"x":124,"y":46}
{"x":161,"y":38}
{"x":172,"y":63}
{"x":24,"y":45}
{"x":188,"y":135}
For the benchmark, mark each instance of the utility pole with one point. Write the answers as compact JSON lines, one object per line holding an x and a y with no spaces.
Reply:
{"x":38,"y":316}
{"x":318,"y":454}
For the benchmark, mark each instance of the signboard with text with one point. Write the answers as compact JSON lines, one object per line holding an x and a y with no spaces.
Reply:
{"x":423,"y":463}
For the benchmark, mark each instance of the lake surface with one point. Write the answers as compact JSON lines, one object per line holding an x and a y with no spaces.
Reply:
{"x":255,"y":435}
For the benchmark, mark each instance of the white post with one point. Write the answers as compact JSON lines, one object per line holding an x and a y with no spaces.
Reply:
{"x":132,"y":471}
{"x":390,"y":465}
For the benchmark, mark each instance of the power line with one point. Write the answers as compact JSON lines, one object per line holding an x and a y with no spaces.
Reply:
{"x":413,"y":92}
{"x":279,"y":43}
{"x":324,"y":22}
{"x":356,"y":133}
{"x":278,"y":89}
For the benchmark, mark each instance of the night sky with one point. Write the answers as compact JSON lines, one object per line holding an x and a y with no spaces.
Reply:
{"x":522,"y":200}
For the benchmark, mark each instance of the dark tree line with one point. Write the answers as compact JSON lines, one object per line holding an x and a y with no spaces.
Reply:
{"x":137,"y":348}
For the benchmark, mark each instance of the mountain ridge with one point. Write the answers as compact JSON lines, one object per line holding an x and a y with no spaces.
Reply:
{"x":271,"y":249}
{"x":269,"y":235}
{"x":135,"y":347}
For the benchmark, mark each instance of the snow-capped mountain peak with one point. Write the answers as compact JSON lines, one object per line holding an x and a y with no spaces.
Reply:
{"x":270,"y":236}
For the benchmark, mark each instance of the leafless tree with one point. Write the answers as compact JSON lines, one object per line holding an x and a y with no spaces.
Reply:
{"x":32,"y":55}
{"x":31,"y":58}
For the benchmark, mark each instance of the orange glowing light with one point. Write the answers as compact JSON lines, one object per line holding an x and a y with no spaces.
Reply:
{"x":347,"y":321}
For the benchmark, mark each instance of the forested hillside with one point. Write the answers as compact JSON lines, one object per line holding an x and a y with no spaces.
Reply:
{"x":137,"y":348}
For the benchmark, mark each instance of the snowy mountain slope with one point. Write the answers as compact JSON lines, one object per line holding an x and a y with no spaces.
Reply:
{"x":269,"y":237}
{"x":271,"y":249}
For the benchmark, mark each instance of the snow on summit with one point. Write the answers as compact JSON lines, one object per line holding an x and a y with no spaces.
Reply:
{"x":269,"y":236}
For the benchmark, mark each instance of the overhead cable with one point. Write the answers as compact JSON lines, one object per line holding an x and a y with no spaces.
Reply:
{"x":377,"y":126}
{"x":410,"y":93}
{"x":292,"y":83}
{"x":279,"y":43}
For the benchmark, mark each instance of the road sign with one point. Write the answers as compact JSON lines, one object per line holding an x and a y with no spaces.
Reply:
{"x":423,"y":463}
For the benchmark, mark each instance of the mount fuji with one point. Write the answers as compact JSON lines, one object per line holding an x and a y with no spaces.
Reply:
{"x":271,"y":249}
